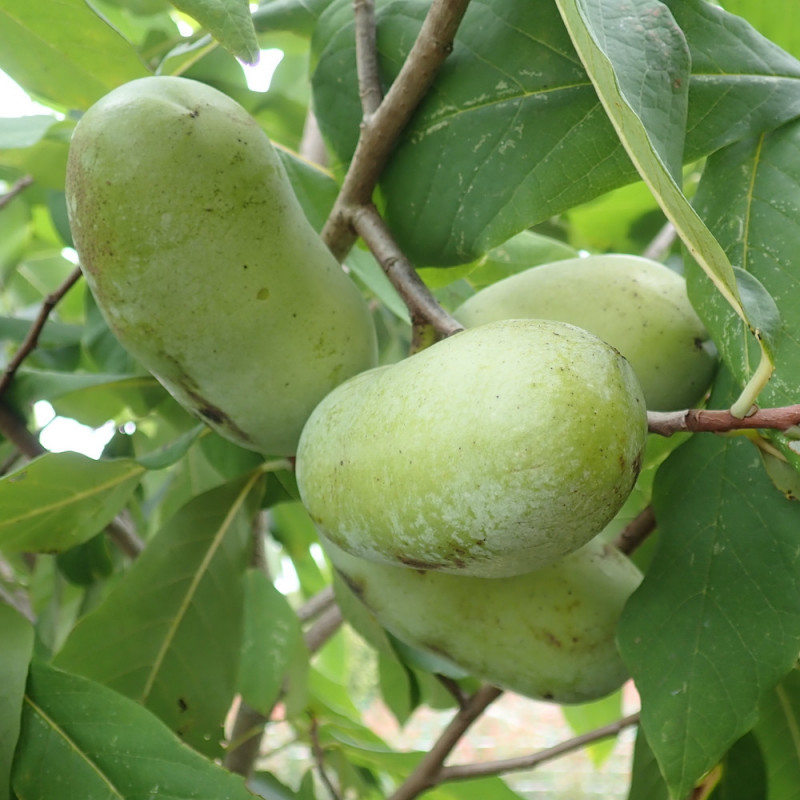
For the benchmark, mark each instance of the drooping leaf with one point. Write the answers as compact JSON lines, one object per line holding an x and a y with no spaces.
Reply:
{"x":64,"y":52}
{"x":271,"y":635}
{"x":169,"y":633}
{"x":16,"y":634}
{"x":647,"y":782}
{"x":513,"y":132}
{"x":84,"y":736}
{"x":638,"y":60}
{"x":228,"y":21}
{"x":62,"y":499}
{"x":778,"y":733}
{"x":716,"y":622}
{"x":90,"y":398}
{"x":741,"y":774}
{"x":748,"y":195}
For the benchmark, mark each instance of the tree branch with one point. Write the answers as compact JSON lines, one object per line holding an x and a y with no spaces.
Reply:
{"x":17,"y":188}
{"x":33,"y":334}
{"x":429,"y":770}
{"x":422,"y":305}
{"x":487,"y":768}
{"x":369,"y":80}
{"x":701,"y":420}
{"x":380,"y":132}
{"x":636,"y":531}
{"x":315,"y":605}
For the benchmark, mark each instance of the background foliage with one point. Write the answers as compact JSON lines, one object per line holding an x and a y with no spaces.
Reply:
{"x":555,"y":126}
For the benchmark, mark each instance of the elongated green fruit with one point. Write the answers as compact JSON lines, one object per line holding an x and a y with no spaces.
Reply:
{"x":548,"y":634}
{"x":491,"y":453}
{"x":637,"y":305}
{"x":204,"y":265}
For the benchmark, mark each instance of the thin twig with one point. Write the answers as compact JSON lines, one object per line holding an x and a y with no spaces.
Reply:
{"x":380,"y":132}
{"x":702,"y":420}
{"x":17,"y":188}
{"x":369,"y":81}
{"x":487,"y":768}
{"x":315,"y":605}
{"x":460,"y":696}
{"x":245,"y":741}
{"x":33,"y":334}
{"x":662,"y":243}
{"x":19,"y":602}
{"x":429,"y":770}
{"x":326,"y":626}
{"x":319,"y":758}
{"x":15,"y":430}
{"x":422,"y":305}
{"x":636,"y":531}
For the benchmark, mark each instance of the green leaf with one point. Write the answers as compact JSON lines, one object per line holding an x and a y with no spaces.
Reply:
{"x":90,"y":398}
{"x":62,"y":499}
{"x":54,"y":334}
{"x":716,"y":621}
{"x":16,"y":634}
{"x":638,"y":61}
{"x":171,"y":453}
{"x":228,"y":21}
{"x":271,"y":635}
{"x":748,"y":195}
{"x":169,"y":633}
{"x":298,"y":16}
{"x":586,"y":717}
{"x":778,"y":733}
{"x":513,"y":132}
{"x":64,"y":52}
{"x":647,"y":782}
{"x":743,"y":776}
{"x":84,"y":736}
{"x":23,"y":131}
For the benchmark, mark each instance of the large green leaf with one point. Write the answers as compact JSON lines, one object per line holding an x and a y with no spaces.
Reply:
{"x":750,"y":197}
{"x":228,"y":21}
{"x":62,"y":499}
{"x":513,"y":132}
{"x":778,"y":20}
{"x":16,"y":634}
{"x":646,"y":780}
{"x":638,"y":61}
{"x":169,"y":634}
{"x":778,"y":733}
{"x":81,"y":739}
{"x":271,"y":636}
{"x":63,"y":52}
{"x":716,"y":622}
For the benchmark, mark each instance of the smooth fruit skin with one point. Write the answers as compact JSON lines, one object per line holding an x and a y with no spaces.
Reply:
{"x":204,"y":265}
{"x":636,"y":305}
{"x":548,"y":634}
{"x":491,"y":453}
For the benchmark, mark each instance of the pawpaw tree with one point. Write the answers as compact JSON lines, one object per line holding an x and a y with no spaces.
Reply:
{"x":317,"y":493}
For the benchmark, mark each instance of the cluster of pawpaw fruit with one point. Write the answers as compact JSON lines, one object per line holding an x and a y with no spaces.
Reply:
{"x":459,"y":492}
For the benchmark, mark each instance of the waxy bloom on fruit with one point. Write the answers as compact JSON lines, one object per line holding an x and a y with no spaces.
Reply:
{"x":204,"y":265}
{"x":491,"y":453}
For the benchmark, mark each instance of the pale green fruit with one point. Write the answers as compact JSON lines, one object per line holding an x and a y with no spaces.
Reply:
{"x":548,"y":634}
{"x":491,"y":453}
{"x":637,"y":305}
{"x":204,"y":265}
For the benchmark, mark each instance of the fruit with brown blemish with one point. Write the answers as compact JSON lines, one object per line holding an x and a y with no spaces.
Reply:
{"x":204,"y":264}
{"x":491,"y":453}
{"x":547,"y":634}
{"x":636,"y":305}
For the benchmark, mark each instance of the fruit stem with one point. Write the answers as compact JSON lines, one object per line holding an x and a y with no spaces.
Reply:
{"x":752,"y":390}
